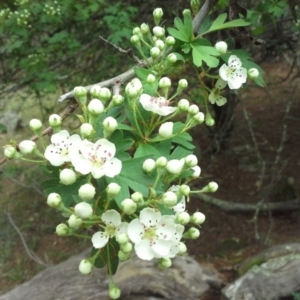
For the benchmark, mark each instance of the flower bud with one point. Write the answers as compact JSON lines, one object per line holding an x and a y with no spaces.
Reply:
{"x":166,"y":130}
{"x":149,"y":165}
{"x":134,"y":87}
{"x":137,"y":31}
{"x":35,"y":125}
{"x":164,"y":82}
{"x":126,"y":247}
{"x":209,"y":121}
{"x":191,"y":160}
{"x":160,"y":44}
{"x":210,"y":188}
{"x":54,"y":200}
{"x":175,"y":166}
{"x":193,"y":233}
{"x":197,"y":218}
{"x":145,"y":28}
{"x":172,"y":58}
{"x":123,"y":256}
{"x":67,"y":176}
{"x":114,"y":292}
{"x":161,"y":162}
{"x":87,"y":192}
{"x":10,"y":152}
{"x":157,"y":15}
{"x":164,"y":263}
{"x":183,"y":104}
{"x":104,"y":94}
{"x":80,"y":94}
{"x":122,"y":238}
{"x":27,"y":147}
{"x":199,"y":117}
{"x":183,"y":218}
{"x":86,"y":129}
{"x":170,"y":41}
{"x":55,"y":120}
{"x":193,"y":109}
{"x":221,"y":47}
{"x":95,"y":107}
{"x":110,"y":124}
{"x":135,"y":40}
{"x":85,"y":267}
{"x":129,"y":207}
{"x":169,"y":199}
{"x":182,"y":248}
{"x":137,"y":197}
{"x":186,"y":12}
{"x":253,"y":73}
{"x":154,"y":52}
{"x":62,"y":230}
{"x":95,"y":91}
{"x":197,"y":172}
{"x":185,"y":190}
{"x":113,"y":189}
{"x":74,"y":222}
{"x":182,"y":83}
{"x":83,"y":210}
{"x":151,"y":78}
{"x":117,"y":99}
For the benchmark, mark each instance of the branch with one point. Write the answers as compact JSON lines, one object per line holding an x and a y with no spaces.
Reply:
{"x":126,"y":76}
{"x":244,"y":207}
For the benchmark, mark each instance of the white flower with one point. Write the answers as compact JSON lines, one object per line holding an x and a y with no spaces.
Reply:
{"x":63,"y":147}
{"x":214,"y":96}
{"x":97,"y":159}
{"x":234,"y":74}
{"x":157,"y":105}
{"x":180,"y":206}
{"x":114,"y":226}
{"x":152,"y":234}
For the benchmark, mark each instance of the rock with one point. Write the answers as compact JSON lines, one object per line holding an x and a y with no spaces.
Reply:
{"x":10,"y":121}
{"x":138,"y":280}
{"x":274,"y":278}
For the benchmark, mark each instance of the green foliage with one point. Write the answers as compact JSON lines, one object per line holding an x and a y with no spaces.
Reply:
{"x":45,"y":43}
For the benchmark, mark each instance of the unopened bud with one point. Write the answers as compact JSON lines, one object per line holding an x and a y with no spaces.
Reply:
{"x":129,"y":207}
{"x":161,"y":162}
{"x":166,"y":130}
{"x":83,"y":210}
{"x":221,"y":47}
{"x":62,"y":230}
{"x":54,"y":200}
{"x":110,"y":124}
{"x":154,"y":52}
{"x":85,"y":267}
{"x":145,"y":28}
{"x":169,"y":199}
{"x":149,"y":165}
{"x":157,"y":15}
{"x":74,"y":222}
{"x":95,"y":107}
{"x":27,"y":147}
{"x":55,"y":120}
{"x":183,"y":218}
{"x":86,"y":129}
{"x":209,"y":121}
{"x":193,"y":233}
{"x":183,"y":104}
{"x":80,"y":94}
{"x":35,"y":125}
{"x":67,"y":176}
{"x":164,"y":263}
{"x":197,"y":218}
{"x":87,"y":192}
{"x":253,"y":73}
{"x":95,"y":91}
{"x":170,"y":41}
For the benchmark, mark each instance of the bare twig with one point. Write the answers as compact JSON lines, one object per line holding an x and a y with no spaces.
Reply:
{"x":29,"y":252}
{"x":232,"y":207}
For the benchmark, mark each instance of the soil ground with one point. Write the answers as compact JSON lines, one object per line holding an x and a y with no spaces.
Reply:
{"x":226,"y":239}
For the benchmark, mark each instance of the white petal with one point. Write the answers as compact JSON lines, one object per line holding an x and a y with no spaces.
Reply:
{"x":112,"y":167}
{"x":179,"y":207}
{"x":149,"y":217}
{"x":144,"y":251}
{"x":97,"y":172}
{"x":99,"y":239}
{"x":122,"y":228}
{"x":86,"y":148}
{"x":162,"y":247}
{"x":164,"y":111}
{"x":135,"y":231}
{"x":220,"y":84}
{"x":106,"y":148}
{"x":165,"y":229}
{"x":234,"y":62}
{"x":111,"y":217}
{"x":53,"y":155}
{"x":220,"y":100}
{"x":81,"y":164}
{"x":212,"y":97}
{"x":145,"y":101}
{"x":223,"y":72}
{"x":63,"y":135}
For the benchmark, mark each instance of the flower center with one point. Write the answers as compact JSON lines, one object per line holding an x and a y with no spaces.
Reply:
{"x":98,"y":156}
{"x":110,"y":230}
{"x":150,"y":234}
{"x":160,"y":101}
{"x":63,"y":147}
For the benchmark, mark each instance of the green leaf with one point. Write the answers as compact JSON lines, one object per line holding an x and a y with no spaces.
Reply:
{"x":180,"y":152}
{"x":203,"y":51}
{"x":132,"y":177}
{"x":184,"y":31}
{"x":219,"y":24}
{"x":146,"y":150}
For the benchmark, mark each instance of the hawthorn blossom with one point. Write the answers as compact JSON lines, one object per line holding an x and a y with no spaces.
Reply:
{"x":180,"y":206}
{"x":152,"y":234}
{"x":97,"y":158}
{"x":113,"y":227}
{"x":234,"y":74}
{"x":214,"y":96}
{"x":63,"y":147}
{"x":158,"y":105}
